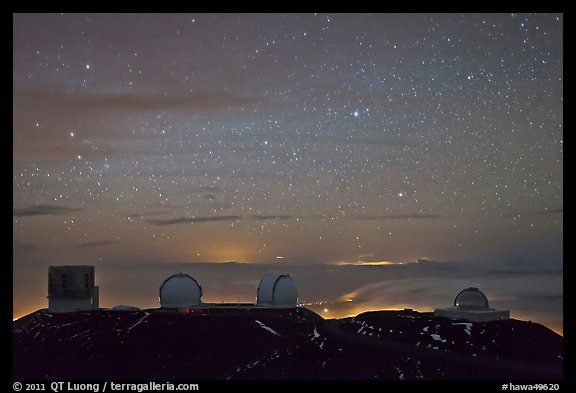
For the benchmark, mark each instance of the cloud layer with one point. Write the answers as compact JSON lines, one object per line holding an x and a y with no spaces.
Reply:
{"x":399,"y":217}
{"x":196,"y":101}
{"x":190,"y":220}
{"x":98,"y":244}
{"x":42,"y":210}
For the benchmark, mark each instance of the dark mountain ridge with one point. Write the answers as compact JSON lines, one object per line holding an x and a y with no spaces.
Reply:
{"x":253,"y":343}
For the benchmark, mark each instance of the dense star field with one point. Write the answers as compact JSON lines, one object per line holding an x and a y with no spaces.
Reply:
{"x":316,"y":144}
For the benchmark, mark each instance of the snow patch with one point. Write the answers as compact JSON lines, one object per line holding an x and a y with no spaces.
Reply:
{"x":68,"y":324}
{"x":80,"y":334}
{"x":138,"y":323}
{"x":268,"y":329}
{"x":316,"y":334}
{"x":437,"y":337}
{"x":468,"y":327}
{"x":400,"y":373}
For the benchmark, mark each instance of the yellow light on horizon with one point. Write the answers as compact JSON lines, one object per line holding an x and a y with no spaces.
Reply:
{"x":367,"y":263}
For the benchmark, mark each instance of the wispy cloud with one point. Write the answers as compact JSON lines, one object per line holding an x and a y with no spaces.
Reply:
{"x":138,"y":215}
{"x":190,"y":220}
{"x":98,"y":244}
{"x":551,"y":211}
{"x":24,"y":247}
{"x":57,"y":107}
{"x":257,"y":217}
{"x":399,"y":217}
{"x":197,"y":101}
{"x":167,"y":206}
{"x":42,"y":210}
{"x":531,"y":212}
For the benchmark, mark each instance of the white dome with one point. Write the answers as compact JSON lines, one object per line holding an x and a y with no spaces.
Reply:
{"x":471,"y":299}
{"x":180,"y":290}
{"x":277,"y":290}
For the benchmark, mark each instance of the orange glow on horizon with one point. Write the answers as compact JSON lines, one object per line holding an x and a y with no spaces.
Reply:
{"x":367,"y":263}
{"x":347,"y":306}
{"x":218,"y":253}
{"x":326,"y":308}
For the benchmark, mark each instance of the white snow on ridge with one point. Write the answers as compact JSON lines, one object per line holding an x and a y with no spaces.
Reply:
{"x":437,"y":337}
{"x":468,"y":327}
{"x":268,"y":329}
{"x":137,"y":323}
{"x":316,"y":334}
{"x":67,"y":324}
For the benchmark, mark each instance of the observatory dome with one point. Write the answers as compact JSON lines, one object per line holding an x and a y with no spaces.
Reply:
{"x":471,"y":299}
{"x":277,"y":290}
{"x":179,"y":291}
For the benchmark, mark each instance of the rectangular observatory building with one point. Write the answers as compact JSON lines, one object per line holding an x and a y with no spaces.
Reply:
{"x":72,"y":288}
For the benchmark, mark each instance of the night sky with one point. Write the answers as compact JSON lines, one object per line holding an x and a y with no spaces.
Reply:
{"x":382,"y":160}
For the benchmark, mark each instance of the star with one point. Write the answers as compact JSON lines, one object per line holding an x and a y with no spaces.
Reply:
{"x":187,"y":138}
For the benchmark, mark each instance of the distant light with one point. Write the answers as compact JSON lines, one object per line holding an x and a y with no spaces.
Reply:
{"x":400,"y":194}
{"x":278,"y":257}
{"x":87,"y":66}
{"x":72,"y":135}
{"x":325,"y":310}
{"x":355,"y":114}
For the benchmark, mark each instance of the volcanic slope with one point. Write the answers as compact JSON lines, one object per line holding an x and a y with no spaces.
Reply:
{"x":248,"y":343}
